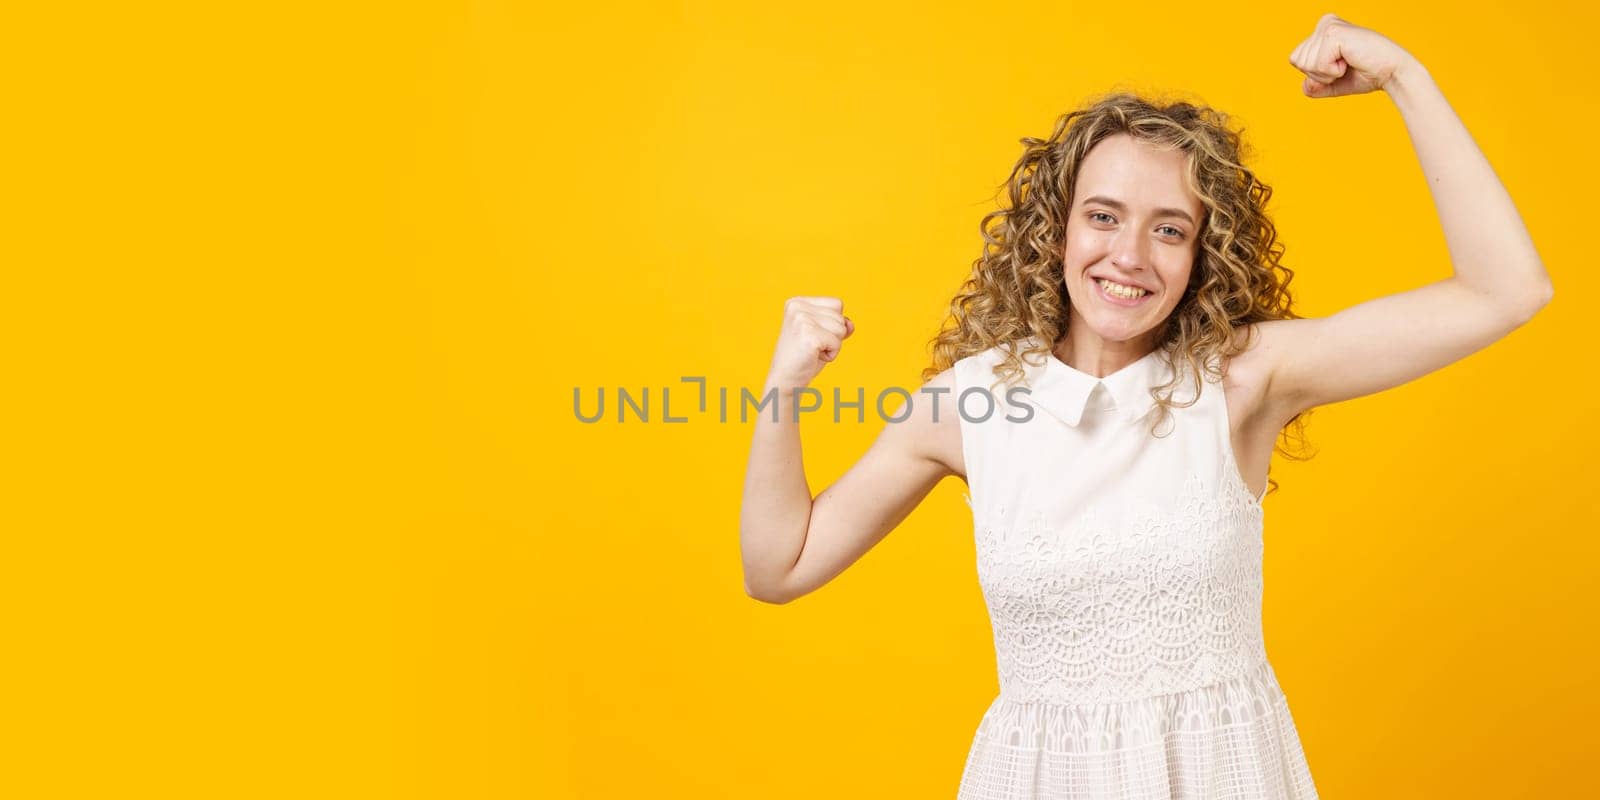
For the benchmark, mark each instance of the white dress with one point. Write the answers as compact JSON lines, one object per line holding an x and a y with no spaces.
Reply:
{"x":1122,"y":574}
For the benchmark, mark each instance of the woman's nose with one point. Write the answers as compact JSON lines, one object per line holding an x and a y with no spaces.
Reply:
{"x":1128,"y":251}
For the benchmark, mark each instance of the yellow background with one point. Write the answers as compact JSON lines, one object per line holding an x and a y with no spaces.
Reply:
{"x":297,"y":296}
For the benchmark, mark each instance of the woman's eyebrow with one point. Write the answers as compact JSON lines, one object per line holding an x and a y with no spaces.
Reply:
{"x":1120,"y":206}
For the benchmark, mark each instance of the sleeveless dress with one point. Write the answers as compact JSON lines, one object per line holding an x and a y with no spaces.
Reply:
{"x":1123,"y":578}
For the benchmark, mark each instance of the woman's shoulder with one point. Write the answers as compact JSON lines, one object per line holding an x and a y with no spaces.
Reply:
{"x":927,"y":425}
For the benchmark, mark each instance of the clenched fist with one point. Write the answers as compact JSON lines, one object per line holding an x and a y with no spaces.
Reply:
{"x":1341,"y":58}
{"x":814,"y":329}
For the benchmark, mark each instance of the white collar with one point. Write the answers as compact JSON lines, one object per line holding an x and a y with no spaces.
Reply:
{"x":1064,"y":391}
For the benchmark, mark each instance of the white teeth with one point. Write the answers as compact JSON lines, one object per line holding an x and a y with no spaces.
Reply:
{"x":1119,"y":290}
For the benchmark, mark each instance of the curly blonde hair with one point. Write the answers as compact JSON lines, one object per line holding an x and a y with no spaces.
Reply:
{"x":1017,"y":289}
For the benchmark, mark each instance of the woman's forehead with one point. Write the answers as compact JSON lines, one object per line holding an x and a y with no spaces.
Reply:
{"x":1136,"y":174}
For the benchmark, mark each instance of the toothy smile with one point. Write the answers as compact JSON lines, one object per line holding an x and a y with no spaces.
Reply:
{"x":1120,"y":290}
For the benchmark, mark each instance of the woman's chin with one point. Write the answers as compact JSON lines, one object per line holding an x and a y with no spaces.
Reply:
{"x":1117,"y":330}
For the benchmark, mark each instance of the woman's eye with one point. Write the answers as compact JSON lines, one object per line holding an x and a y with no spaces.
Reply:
{"x":1173,"y":230}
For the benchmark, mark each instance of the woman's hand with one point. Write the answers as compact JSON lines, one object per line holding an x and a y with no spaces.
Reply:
{"x":814,"y":329}
{"x":1341,"y":58}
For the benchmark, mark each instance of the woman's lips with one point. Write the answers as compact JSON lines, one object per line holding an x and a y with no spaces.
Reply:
{"x":1115,"y":300}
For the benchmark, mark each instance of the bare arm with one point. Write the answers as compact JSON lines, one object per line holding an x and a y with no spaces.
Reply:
{"x":792,"y":544}
{"x":776,"y":509}
{"x":1499,"y":282}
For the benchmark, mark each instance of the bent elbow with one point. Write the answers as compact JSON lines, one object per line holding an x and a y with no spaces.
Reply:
{"x":1539,"y":300}
{"x":765,"y":594}
{"x":770,"y":598}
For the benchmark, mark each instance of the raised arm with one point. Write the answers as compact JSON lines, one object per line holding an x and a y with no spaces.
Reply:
{"x":792,"y":544}
{"x":1499,"y":281}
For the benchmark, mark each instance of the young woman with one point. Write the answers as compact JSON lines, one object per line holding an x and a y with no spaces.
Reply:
{"x":1133,"y":291}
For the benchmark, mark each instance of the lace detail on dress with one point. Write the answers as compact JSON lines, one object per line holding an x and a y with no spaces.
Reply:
{"x":1105,"y":611}
{"x":1234,"y":739}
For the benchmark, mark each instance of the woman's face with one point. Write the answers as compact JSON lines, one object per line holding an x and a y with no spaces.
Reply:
{"x":1133,"y":221}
